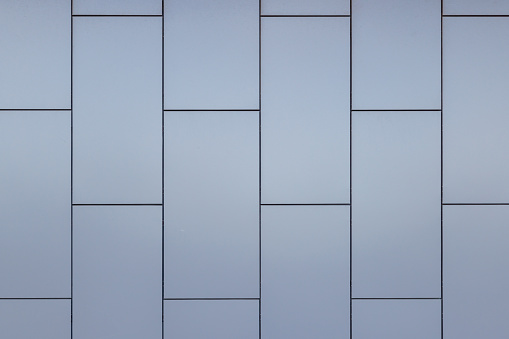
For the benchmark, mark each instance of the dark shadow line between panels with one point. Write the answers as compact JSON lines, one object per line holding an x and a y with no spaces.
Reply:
{"x":212,"y":110}
{"x":162,"y":172}
{"x":350,"y":176}
{"x":442,"y":170}
{"x":303,"y":16}
{"x":305,"y":204}
{"x":206,"y":299}
{"x":475,"y":16}
{"x":118,"y":15}
{"x":117,"y":204}
{"x":259,"y":169}
{"x":476,"y":204}
{"x":396,"y":298}
{"x":34,"y":109}
{"x":397,"y":110}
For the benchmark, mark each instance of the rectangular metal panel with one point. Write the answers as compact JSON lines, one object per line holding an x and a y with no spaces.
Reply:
{"x":211,"y":54}
{"x":211,"y":205}
{"x":396,"y":198}
{"x":205,"y":319}
{"x":396,"y":54}
{"x":35,"y":200}
{"x":305,"y":272}
{"x":35,"y":62}
{"x":305,"y":110}
{"x":117,"y":110}
{"x":476,"y":78}
{"x":117,"y":272}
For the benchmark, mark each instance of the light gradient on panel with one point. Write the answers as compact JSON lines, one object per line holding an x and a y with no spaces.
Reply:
{"x":396,"y":54}
{"x":305,"y":117}
{"x":396,"y":201}
{"x":476,"y":102}
{"x":305,"y":272}
{"x":396,"y":319}
{"x":206,"y":319}
{"x":476,"y":257}
{"x":35,"y":61}
{"x":35,"y":200}
{"x":211,"y":54}
{"x":117,"y":7}
{"x":211,"y":205}
{"x":305,"y":7}
{"x":29,"y":319}
{"x":117,"y":272}
{"x":476,"y":7}
{"x":117,"y":110}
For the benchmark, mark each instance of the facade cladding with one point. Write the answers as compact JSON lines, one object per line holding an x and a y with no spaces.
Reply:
{"x":237,"y":169}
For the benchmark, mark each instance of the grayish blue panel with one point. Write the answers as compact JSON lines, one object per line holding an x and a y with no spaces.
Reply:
{"x":211,"y":205}
{"x":396,"y":204}
{"x":205,"y":319}
{"x":396,"y":54}
{"x":35,"y":200}
{"x":306,"y":7}
{"x":35,"y":62}
{"x":396,"y":319}
{"x":117,"y":110}
{"x":305,"y":272}
{"x":305,"y":110}
{"x":117,"y":272}
{"x":211,"y":54}
{"x":476,"y":102}
{"x":476,"y":257}
{"x":117,"y":7}
{"x":29,"y":319}
{"x":476,"y":7}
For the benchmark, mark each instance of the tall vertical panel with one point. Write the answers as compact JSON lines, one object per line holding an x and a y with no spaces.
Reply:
{"x":396,"y":54}
{"x":35,"y":57}
{"x":35,"y":200}
{"x":117,"y":272}
{"x":117,"y":106}
{"x":476,"y":102}
{"x":476,"y":257}
{"x":305,"y":110}
{"x":211,"y":205}
{"x":396,"y":201}
{"x":305,"y":272}
{"x":211,"y":54}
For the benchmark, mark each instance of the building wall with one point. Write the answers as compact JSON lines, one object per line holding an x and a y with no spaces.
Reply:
{"x":254,"y":169}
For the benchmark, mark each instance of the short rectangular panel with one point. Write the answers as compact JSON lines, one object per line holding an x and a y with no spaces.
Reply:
{"x":117,"y":272}
{"x":305,"y":110}
{"x":117,"y":110}
{"x":35,"y":62}
{"x":211,"y":54}
{"x":396,"y":54}
{"x":476,"y":76}
{"x":211,"y":205}
{"x":397,"y":319}
{"x":476,"y":7}
{"x":117,"y":7}
{"x":396,"y":201}
{"x":205,"y":319}
{"x":305,"y":7}
{"x":305,"y":272}
{"x":476,"y":257}
{"x":35,"y":200}
{"x":29,"y":319}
